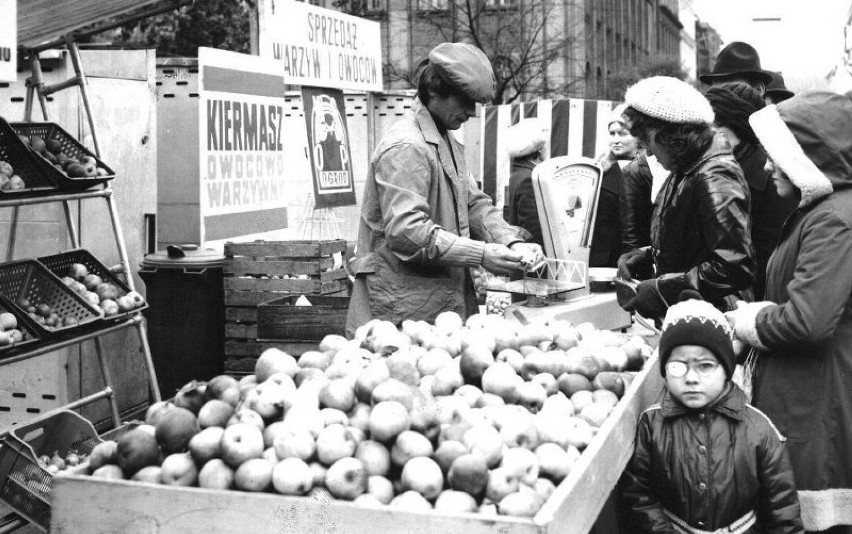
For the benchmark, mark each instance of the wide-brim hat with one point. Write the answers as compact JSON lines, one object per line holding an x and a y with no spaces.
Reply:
{"x":776,"y":88}
{"x":738,"y":59}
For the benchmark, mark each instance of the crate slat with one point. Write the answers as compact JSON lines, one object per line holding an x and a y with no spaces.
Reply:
{"x":241,"y":331}
{"x":252,"y":349}
{"x":253,"y":298}
{"x":281,"y":319}
{"x":286,"y":249}
{"x":241,"y":265}
{"x":236,"y":314}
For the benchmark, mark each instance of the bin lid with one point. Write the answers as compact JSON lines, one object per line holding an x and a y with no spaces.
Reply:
{"x":183,"y":257}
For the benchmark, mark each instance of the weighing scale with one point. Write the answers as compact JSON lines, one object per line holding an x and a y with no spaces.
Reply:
{"x":562,"y":287}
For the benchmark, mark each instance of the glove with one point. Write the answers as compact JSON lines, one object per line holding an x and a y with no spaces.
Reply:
{"x":635,"y":263}
{"x":648,"y":302}
{"x":744,"y":321}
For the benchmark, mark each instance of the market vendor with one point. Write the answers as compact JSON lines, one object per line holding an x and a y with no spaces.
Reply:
{"x":700,"y":229}
{"x":424,"y":223}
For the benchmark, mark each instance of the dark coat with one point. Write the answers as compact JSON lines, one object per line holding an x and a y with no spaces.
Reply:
{"x":804,"y":380}
{"x":521,"y":205}
{"x":606,"y":238}
{"x":701,"y":230}
{"x":709,"y":467}
{"x":636,"y":204}
{"x":768,"y":210}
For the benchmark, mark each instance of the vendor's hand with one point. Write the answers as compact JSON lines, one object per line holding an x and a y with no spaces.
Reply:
{"x":531,"y":253}
{"x":501,"y":260}
{"x":635,"y":263}
{"x":647,"y":302}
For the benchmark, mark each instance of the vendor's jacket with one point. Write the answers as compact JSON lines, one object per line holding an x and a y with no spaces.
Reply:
{"x":709,"y":468}
{"x":701,"y":230}
{"x":424,"y":222}
{"x":636,"y":204}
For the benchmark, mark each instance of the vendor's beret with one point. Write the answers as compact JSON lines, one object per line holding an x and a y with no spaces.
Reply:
{"x":670,"y":100}
{"x":465,"y":67}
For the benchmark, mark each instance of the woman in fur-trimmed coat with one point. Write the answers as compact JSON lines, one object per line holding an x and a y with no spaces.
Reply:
{"x":803,"y":372}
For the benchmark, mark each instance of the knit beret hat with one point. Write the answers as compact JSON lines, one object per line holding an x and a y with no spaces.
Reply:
{"x":697,"y":322}
{"x":733,"y":104}
{"x":670,"y":100}
{"x":525,"y":137}
{"x":466,"y":68}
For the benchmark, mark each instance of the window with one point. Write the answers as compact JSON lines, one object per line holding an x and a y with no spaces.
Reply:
{"x":375,"y":5}
{"x":433,"y":5}
{"x":501,"y":3}
{"x":319,"y":3}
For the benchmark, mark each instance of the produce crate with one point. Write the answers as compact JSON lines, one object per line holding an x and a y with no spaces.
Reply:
{"x":28,"y":327}
{"x":59,"y":264}
{"x":24,"y":164}
{"x":30,"y":280}
{"x":261,"y":271}
{"x":70,"y":147}
{"x":283,"y":319}
{"x":26,"y":485}
{"x":572,"y":509}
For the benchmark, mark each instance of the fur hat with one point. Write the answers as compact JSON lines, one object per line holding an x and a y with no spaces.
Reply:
{"x":465,"y":67}
{"x":670,"y":100}
{"x":697,"y":322}
{"x":737,"y":59}
{"x":525,"y":137}
{"x":808,"y":137}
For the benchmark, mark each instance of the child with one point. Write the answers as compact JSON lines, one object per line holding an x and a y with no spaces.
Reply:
{"x":704,"y":458}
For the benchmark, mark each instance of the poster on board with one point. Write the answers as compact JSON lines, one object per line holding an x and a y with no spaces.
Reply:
{"x":8,"y":41}
{"x":321,"y":47}
{"x":328,"y":145}
{"x":245,"y":157}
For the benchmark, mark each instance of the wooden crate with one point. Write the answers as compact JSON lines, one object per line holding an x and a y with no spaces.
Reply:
{"x":282,"y":319}
{"x":95,"y":506}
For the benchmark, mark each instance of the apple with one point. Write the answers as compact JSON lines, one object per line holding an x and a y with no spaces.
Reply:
{"x":367,"y":500}
{"x":558,"y":403}
{"x":151,"y":474}
{"x":502,"y":380}
{"x":531,"y":396}
{"x":337,"y":394}
{"x":403,"y":367}
{"x":453,"y":501}
{"x":523,"y":463}
{"x":156,"y":411}
{"x":489,"y":399}
{"x":554,"y":461}
{"x":519,"y":504}
{"x":292,"y":476}
{"x":305,"y":416}
{"x":318,"y":471}
{"x":387,"y":420}
{"x":332,"y":343}
{"x":485,"y":439}
{"x":215,"y":413}
{"x":580,"y":433}
{"x":246,"y":416}
{"x":434,"y":359}
{"x":544,"y":488}
{"x":179,"y":470}
{"x":103,"y":453}
{"x":206,"y":445}
{"x":448,"y":322}
{"x":595,"y":413}
{"x":410,"y":501}
{"x":109,"y":471}
{"x":255,"y":474}
{"x":380,"y":488}
{"x":469,"y":473}
{"x":447,"y":379}
{"x":410,"y":444}
{"x":335,"y":442}
{"x":294,"y":442}
{"x":368,"y":378}
{"x":136,"y":449}
{"x":241,"y":442}
{"x":501,"y":482}
{"x":393,"y":390}
{"x":374,"y":456}
{"x":546,"y":381}
{"x":469,"y":393}
{"x":552,"y":428}
{"x":175,"y":429}
{"x":346,"y":478}
{"x":359,"y":416}
{"x":215,"y":474}
{"x":313,"y":359}
{"x":473,"y":363}
{"x":224,"y":388}
{"x":447,"y":452}
{"x":273,"y":360}
{"x":331,"y":416}
{"x":191,"y":396}
{"x":271,"y":399}
{"x":423,"y":475}
{"x":519,"y":433}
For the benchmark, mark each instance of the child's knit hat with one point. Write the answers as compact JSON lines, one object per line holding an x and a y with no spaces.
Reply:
{"x":697,"y":322}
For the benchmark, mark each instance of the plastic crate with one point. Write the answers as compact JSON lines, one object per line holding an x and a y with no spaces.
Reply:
{"x":28,"y":327}
{"x":70,"y":146}
{"x":24,"y":484}
{"x":24,"y":164}
{"x":59,"y":264}
{"x":30,"y":280}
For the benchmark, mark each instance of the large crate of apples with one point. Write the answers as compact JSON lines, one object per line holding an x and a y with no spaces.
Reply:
{"x":488,"y":427}
{"x":261,"y":271}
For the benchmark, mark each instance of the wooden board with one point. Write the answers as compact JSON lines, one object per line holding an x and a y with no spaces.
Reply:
{"x":237,"y":314}
{"x":240,"y":331}
{"x":281,"y":319}
{"x":235,"y":297}
{"x":96,"y":506}
{"x":242,"y":265}
{"x":254,"y":348}
{"x":286,"y":249}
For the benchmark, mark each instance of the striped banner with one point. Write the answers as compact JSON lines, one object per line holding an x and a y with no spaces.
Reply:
{"x":577,"y":128}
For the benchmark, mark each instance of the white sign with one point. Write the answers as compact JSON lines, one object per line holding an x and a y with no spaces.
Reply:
{"x":8,"y":41}
{"x":321,"y":47}
{"x":245,"y":154}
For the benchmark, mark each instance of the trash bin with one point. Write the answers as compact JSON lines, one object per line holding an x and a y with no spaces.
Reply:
{"x":186,"y":314}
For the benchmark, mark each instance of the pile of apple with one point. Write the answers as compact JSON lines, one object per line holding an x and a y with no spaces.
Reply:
{"x":9,"y":331}
{"x":9,"y":181}
{"x":56,"y":464}
{"x":46,"y":315}
{"x":484,"y":417}
{"x":51,"y":150}
{"x":107,"y":296}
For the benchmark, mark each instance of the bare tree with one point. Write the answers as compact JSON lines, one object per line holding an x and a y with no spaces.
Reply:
{"x":530,"y":42}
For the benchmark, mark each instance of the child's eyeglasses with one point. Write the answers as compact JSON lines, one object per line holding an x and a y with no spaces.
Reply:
{"x":703,"y":368}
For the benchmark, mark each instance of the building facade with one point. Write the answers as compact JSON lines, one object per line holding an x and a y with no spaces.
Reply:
{"x":540,"y":48}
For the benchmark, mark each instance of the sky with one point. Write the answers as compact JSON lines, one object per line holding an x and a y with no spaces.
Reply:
{"x":804,"y":44}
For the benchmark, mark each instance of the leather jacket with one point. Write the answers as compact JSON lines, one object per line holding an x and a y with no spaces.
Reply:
{"x":636,"y":204}
{"x":708,"y":467}
{"x":701,"y":230}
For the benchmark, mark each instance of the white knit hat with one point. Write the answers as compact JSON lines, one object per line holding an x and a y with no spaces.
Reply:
{"x":525,"y":137}
{"x":670,"y":100}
